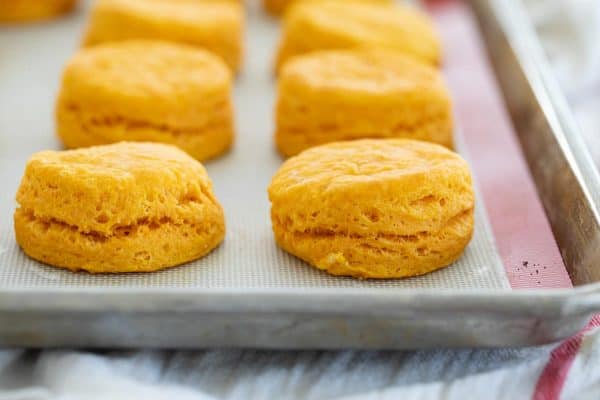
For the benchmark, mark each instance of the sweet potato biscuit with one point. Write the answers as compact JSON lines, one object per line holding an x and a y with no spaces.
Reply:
{"x":379,"y":208}
{"x":278,"y":7}
{"x":352,"y":94}
{"x":147,"y":91}
{"x":13,"y":11}
{"x":214,"y":25}
{"x":126,"y":207}
{"x":310,"y":26}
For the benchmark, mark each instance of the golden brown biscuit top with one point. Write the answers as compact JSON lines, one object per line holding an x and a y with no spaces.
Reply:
{"x":413,"y":186}
{"x":146,"y":68}
{"x":374,"y":23}
{"x":146,"y":82}
{"x":362,"y":71}
{"x":121,"y":161}
{"x":98,"y":187}
{"x":183,"y":11}
{"x":365,"y":161}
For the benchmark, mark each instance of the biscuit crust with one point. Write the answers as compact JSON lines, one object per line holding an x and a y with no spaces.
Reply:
{"x":147,"y":91}
{"x":330,"y":96}
{"x":278,"y":7}
{"x":386,"y":208}
{"x":15,"y":11}
{"x":126,"y":207}
{"x":214,"y":25}
{"x":330,"y":25}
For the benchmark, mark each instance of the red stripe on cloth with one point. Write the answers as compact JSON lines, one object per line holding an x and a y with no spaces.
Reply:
{"x":553,"y":377}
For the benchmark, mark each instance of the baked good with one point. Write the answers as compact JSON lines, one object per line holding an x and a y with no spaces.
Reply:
{"x":211,"y":24}
{"x":351,"y":94}
{"x":278,"y":7}
{"x":327,"y":25}
{"x":13,"y":11}
{"x":147,"y":91}
{"x":126,"y":207}
{"x":374,"y":208}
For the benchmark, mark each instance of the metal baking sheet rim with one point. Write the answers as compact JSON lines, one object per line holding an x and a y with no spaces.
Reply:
{"x":550,"y":302}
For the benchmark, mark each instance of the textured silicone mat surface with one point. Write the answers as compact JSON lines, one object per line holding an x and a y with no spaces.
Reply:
{"x":31,"y":61}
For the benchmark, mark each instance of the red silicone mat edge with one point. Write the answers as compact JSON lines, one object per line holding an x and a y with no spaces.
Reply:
{"x":521,"y":229}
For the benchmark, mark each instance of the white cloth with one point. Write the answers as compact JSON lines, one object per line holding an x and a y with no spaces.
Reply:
{"x":570,"y":30}
{"x":250,"y":374}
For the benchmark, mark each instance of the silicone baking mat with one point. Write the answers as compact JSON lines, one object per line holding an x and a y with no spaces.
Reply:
{"x":31,"y":59}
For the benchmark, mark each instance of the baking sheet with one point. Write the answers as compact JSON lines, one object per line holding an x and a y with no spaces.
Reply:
{"x":31,"y":59}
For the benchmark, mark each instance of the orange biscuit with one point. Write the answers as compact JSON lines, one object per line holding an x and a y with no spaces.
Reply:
{"x":147,"y":91}
{"x":126,"y":207}
{"x":311,"y":26}
{"x":278,"y":7}
{"x":352,"y":94}
{"x":213,"y":25}
{"x":385,"y":208}
{"x":13,"y":11}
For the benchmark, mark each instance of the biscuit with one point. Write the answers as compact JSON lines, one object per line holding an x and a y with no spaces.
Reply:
{"x":278,"y":7}
{"x":351,"y":94}
{"x":214,"y":25}
{"x":126,"y":207}
{"x":329,"y":25}
{"x":374,"y":208}
{"x":12,"y":11}
{"x":147,"y":91}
